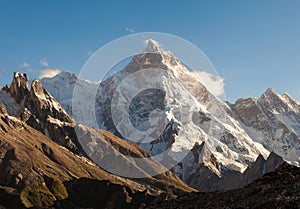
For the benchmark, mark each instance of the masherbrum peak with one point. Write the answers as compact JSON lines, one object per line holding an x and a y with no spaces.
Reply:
{"x":191,"y":115}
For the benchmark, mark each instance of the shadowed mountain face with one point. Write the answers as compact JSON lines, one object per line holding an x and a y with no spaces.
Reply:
{"x":278,"y":189}
{"x":41,"y":164}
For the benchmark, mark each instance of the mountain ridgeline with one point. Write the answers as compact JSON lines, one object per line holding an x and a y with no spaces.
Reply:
{"x":225,"y":145}
{"x":54,"y":156}
{"x":43,"y":164}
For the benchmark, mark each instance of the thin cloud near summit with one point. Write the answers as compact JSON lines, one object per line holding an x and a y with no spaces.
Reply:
{"x":49,"y":73}
{"x":215,"y":84}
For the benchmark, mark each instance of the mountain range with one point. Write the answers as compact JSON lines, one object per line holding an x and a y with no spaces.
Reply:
{"x":218,"y":139}
{"x":54,"y":156}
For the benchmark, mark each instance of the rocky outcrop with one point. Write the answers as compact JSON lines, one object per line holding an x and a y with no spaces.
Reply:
{"x":40,"y":110}
{"x":19,"y":87}
{"x":40,"y":103}
{"x":45,"y":114}
{"x":64,"y":134}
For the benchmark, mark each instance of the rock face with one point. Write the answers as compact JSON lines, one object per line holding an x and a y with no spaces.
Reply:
{"x":44,"y":113}
{"x":19,"y":87}
{"x":42,"y":104}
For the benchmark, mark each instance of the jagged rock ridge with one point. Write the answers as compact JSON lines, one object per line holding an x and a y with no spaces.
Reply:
{"x":37,"y":170}
{"x":19,"y":87}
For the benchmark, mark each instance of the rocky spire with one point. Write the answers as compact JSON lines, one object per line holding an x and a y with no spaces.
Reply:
{"x":45,"y":114}
{"x":43,"y":104}
{"x":19,"y":87}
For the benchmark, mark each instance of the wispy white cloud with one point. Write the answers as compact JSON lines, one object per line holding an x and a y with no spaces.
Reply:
{"x":44,"y":62}
{"x":26,"y":66}
{"x":130,"y":30}
{"x":49,"y":73}
{"x":213,"y":83}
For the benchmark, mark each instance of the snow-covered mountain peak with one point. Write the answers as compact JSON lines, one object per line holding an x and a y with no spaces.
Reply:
{"x":247,"y":101}
{"x":170,"y":106}
{"x":269,"y":93}
{"x":278,"y":103}
{"x":295,"y":105}
{"x":62,"y":76}
{"x":152,"y":46}
{"x":189,"y":114}
{"x":272,"y":96}
{"x":273,"y":121}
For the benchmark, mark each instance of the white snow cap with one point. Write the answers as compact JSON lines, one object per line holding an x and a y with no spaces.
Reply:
{"x":18,"y":74}
{"x":152,"y":46}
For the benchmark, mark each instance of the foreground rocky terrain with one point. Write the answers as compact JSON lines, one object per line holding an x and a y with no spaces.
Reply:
{"x":278,"y":189}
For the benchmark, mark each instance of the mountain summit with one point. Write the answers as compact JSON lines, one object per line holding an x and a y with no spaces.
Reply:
{"x":19,"y":87}
{"x":152,"y":46}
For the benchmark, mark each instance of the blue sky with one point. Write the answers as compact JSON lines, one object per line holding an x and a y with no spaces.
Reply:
{"x":254,"y":44}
